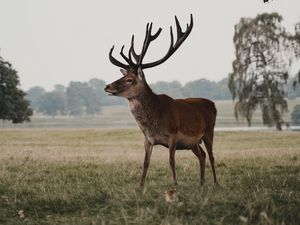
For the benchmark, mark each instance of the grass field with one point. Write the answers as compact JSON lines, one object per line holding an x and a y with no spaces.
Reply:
{"x":90,"y":176}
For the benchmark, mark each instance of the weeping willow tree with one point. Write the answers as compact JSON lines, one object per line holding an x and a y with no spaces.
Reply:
{"x":296,"y":45}
{"x":264,"y":54}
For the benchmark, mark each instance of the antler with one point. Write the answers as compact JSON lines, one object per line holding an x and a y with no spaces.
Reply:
{"x":116,"y":62}
{"x":148,"y":38}
{"x":181,"y":36}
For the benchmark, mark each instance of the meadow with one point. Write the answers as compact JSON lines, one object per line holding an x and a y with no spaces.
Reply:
{"x":90,"y":176}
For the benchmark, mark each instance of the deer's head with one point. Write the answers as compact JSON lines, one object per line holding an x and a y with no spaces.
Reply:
{"x":133,"y":80}
{"x":129,"y":86}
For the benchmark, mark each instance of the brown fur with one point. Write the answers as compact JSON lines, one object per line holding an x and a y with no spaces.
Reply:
{"x":173,"y":123}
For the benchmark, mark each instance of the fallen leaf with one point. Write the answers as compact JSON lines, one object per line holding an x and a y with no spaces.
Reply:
{"x":21,"y":214}
{"x":170,"y":196}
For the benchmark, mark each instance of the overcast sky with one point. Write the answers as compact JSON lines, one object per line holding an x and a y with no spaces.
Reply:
{"x":55,"y":41}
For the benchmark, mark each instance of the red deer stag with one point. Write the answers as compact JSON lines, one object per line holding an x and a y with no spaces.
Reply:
{"x":173,"y":123}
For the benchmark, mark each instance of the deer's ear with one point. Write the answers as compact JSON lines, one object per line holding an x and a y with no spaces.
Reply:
{"x":124,"y":72}
{"x":141,"y":74}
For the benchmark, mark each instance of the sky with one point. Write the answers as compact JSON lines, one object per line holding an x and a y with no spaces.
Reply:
{"x":55,"y":41}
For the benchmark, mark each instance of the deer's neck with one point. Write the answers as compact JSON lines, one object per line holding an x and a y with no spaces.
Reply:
{"x":146,"y":109}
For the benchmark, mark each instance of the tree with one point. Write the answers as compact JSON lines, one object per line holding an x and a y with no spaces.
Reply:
{"x":34,"y":95}
{"x":52,"y":103}
{"x":96,"y":96}
{"x":296,"y":40}
{"x":91,"y":101}
{"x":264,"y":54}
{"x":14,"y":106}
{"x":296,"y":45}
{"x":201,"y":88}
{"x":75,"y":101}
{"x":222,"y":91}
{"x":60,"y":91}
{"x":83,"y":98}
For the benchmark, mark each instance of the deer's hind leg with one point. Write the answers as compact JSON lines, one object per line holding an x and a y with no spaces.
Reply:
{"x":208,"y":141}
{"x":199,"y":152}
{"x":172,"y":150}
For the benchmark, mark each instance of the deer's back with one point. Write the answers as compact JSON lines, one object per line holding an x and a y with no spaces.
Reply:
{"x":197,"y":115}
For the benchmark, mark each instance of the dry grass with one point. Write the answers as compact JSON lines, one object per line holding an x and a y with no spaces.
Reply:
{"x":90,"y":176}
{"x":109,"y":145}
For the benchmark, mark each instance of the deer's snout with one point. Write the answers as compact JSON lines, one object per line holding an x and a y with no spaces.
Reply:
{"x":107,"y":87}
{"x":110,"y":89}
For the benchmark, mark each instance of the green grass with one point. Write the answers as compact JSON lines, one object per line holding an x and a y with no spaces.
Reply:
{"x":91,"y":176}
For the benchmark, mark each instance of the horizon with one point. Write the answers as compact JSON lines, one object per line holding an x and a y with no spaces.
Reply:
{"x":84,"y":81}
{"x":291,"y":77}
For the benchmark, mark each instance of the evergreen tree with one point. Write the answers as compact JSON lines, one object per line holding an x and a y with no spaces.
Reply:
{"x":13,"y":105}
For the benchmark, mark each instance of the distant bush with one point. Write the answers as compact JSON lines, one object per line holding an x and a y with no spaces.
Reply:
{"x":296,"y":115}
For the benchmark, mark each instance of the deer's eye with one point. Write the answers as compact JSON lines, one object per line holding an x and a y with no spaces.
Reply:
{"x":129,"y":81}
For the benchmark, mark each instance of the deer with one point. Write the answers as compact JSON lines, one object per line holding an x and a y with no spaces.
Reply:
{"x":176,"y":124}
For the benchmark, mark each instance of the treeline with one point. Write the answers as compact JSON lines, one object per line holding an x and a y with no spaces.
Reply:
{"x":77,"y":99}
{"x":199,"y":88}
{"x":87,"y":98}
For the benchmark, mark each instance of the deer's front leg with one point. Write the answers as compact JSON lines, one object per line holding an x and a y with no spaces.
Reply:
{"x":172,"y":149}
{"x":148,"y":151}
